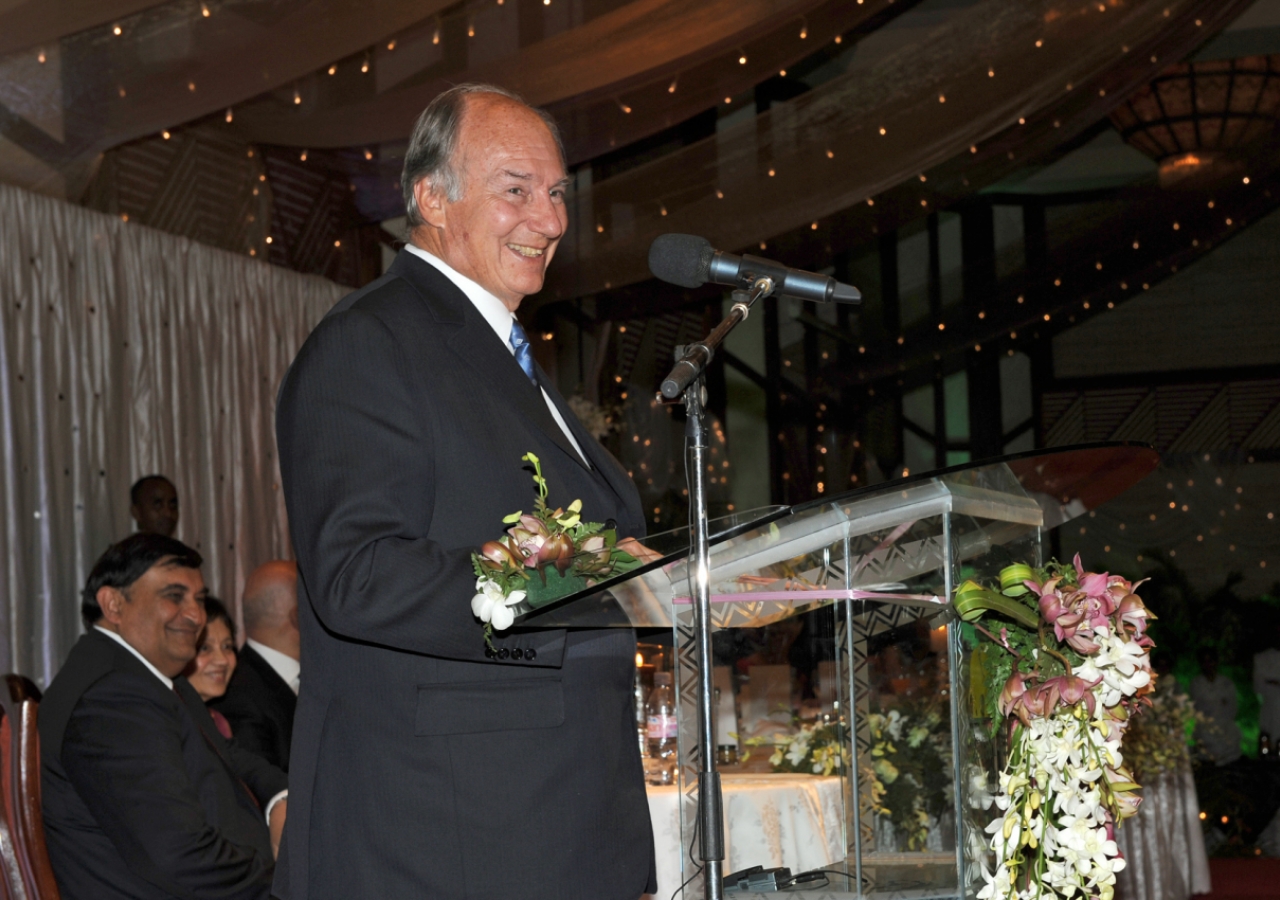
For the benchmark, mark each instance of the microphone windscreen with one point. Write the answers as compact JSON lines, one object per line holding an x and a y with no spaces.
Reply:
{"x":681,"y":259}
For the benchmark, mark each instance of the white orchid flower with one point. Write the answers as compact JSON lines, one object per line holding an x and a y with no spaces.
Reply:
{"x":491,"y":605}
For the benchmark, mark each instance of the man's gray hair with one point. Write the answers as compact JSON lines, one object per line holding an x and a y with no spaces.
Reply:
{"x":435,"y":140}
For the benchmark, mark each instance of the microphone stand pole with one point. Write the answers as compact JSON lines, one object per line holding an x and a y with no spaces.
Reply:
{"x":685,"y":380}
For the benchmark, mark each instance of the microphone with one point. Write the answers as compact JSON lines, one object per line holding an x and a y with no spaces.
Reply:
{"x":690,"y":261}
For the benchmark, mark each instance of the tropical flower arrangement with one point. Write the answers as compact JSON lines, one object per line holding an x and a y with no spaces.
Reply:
{"x":1072,"y":667}
{"x":545,"y":555}
{"x":816,"y":748}
{"x":910,"y":770}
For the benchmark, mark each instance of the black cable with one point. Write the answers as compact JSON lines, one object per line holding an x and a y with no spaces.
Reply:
{"x":693,"y":839}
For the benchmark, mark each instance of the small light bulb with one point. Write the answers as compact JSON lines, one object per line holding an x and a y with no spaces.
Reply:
{"x":117,"y":30}
{"x":165,"y":135}
{"x":303,"y":156}
{"x":204,"y":10}
{"x":229,"y":116}
{"x":40,"y":58}
{"x":333,"y":70}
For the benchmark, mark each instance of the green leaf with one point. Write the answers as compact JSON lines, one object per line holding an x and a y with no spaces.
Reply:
{"x":513,"y":518}
{"x":972,"y":601}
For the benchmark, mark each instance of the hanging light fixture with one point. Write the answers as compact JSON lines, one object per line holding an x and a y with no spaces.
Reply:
{"x":1198,"y":119}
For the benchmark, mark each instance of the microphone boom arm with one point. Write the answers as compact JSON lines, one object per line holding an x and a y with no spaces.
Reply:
{"x":698,"y":356}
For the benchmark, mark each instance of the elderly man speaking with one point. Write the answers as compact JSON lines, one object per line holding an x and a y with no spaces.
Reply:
{"x":424,"y":764}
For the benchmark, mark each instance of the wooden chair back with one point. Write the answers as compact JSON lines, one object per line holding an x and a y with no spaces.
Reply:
{"x":11,"y":884}
{"x":20,"y":772}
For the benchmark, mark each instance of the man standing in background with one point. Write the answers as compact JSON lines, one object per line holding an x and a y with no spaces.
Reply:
{"x":153,"y":503}
{"x":263,"y":693}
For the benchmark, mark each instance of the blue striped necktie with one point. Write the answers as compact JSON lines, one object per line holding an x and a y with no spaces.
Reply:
{"x":524,"y":354}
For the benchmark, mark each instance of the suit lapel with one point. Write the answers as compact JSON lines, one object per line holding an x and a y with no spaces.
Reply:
{"x":602,"y":461}
{"x":281,"y":693}
{"x":209,"y":731}
{"x":480,"y":348}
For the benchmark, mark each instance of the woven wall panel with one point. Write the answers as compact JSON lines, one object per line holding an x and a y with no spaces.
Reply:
{"x":1175,"y":419}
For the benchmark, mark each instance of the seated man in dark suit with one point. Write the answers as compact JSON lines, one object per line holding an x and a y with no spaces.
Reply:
{"x":142,"y":797}
{"x":263,"y":692}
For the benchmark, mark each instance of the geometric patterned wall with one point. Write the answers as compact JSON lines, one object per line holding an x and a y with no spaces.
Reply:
{"x":1174,"y":418}
{"x":265,"y":202}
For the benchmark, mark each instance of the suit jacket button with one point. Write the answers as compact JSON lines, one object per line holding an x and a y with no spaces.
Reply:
{"x":517,"y":653}
{"x":488,"y":652}
{"x":503,"y":653}
{"x":531,"y":654}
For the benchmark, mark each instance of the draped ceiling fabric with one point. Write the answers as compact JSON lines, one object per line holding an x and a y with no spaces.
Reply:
{"x":881,"y":124}
{"x":125,"y":351}
{"x":342,"y":73}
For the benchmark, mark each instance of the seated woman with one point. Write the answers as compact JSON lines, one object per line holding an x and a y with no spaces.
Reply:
{"x":215,"y":661}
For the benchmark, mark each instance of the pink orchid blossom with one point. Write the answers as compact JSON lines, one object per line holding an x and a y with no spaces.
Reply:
{"x":500,"y":554}
{"x":1068,"y":690}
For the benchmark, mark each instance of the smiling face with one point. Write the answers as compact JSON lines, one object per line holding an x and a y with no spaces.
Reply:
{"x":215,"y":661}
{"x":503,"y":231}
{"x":160,"y":615}
{"x":157,"y":508}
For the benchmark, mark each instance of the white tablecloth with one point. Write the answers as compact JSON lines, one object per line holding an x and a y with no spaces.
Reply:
{"x":770,"y":820}
{"x":1162,"y":845}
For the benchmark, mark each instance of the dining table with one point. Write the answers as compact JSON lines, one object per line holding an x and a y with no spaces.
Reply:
{"x":770,"y":819}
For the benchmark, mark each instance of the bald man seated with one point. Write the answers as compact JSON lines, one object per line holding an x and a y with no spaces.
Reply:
{"x":263,"y":693}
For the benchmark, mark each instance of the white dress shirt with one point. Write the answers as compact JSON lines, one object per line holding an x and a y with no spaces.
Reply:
{"x":500,"y":319}
{"x":284,"y":665}
{"x":1217,"y":700}
{"x":1266,"y":681}
{"x":168,"y":683}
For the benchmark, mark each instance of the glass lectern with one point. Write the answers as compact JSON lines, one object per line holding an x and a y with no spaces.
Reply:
{"x":886,"y":686}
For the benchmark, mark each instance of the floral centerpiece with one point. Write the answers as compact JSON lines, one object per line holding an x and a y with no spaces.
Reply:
{"x":1071,"y":668}
{"x":910,"y":770}
{"x":545,"y":555}
{"x":1161,"y":740}
{"x":816,"y":748}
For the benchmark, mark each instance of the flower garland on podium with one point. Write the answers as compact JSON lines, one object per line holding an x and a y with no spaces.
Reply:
{"x":565,"y":554}
{"x":1067,"y":668}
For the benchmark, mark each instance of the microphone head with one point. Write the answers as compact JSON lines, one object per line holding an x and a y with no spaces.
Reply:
{"x":681,"y":259}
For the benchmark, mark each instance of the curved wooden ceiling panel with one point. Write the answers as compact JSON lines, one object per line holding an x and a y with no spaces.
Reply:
{"x":33,"y":23}
{"x":631,"y":46}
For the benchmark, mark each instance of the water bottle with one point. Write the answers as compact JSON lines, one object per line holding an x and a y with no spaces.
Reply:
{"x":642,"y":720}
{"x":660,"y":715}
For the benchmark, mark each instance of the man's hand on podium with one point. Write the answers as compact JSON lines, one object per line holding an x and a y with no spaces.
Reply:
{"x":638,"y":550}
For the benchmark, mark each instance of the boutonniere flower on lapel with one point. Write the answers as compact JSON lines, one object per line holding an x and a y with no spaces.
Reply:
{"x":544,"y":555}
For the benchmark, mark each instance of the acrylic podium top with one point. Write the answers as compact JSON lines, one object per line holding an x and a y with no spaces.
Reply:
{"x":869,"y":543}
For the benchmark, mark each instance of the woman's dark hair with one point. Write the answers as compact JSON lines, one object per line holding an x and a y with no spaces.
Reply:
{"x":215,"y":609}
{"x":124,"y":563}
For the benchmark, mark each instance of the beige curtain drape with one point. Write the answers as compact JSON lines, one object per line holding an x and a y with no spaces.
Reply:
{"x":126,"y":351}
